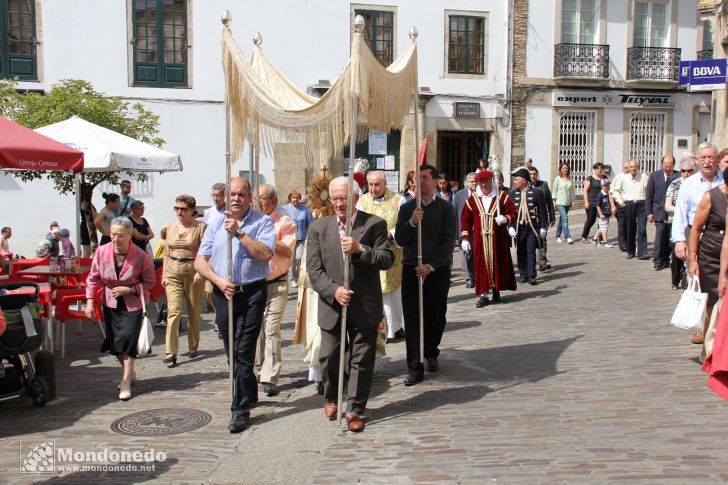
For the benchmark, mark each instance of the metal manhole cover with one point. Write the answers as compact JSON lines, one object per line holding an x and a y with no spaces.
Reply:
{"x":161,"y":422}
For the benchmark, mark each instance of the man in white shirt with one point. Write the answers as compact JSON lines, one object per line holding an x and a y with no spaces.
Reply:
{"x":629,"y":194}
{"x":691,"y":192}
{"x":621,"y":229}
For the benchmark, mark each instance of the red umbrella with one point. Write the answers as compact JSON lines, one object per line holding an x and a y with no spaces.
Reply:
{"x":24,"y":149}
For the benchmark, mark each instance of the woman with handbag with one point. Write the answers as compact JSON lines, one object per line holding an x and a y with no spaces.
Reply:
{"x":181,"y":282}
{"x":704,"y":247}
{"x":119,"y":272}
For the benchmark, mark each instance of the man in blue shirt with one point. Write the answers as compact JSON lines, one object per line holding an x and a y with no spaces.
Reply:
{"x":253,"y":242}
{"x":125,"y":200}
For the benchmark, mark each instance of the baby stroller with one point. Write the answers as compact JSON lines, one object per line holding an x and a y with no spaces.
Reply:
{"x":23,"y":335}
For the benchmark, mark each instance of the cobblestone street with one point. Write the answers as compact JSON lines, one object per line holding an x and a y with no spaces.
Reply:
{"x":579,"y":379}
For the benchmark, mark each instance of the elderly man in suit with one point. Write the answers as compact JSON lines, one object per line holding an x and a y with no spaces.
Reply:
{"x":461,"y":196}
{"x":657,"y":185}
{"x":369,"y":254}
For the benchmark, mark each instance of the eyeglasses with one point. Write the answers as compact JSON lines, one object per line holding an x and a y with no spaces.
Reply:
{"x":217,"y":196}
{"x":183,"y":209}
{"x":687,"y":171}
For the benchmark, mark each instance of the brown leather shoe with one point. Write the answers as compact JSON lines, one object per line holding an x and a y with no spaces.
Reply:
{"x":698,"y":338}
{"x":330,"y":409}
{"x":355,"y":422}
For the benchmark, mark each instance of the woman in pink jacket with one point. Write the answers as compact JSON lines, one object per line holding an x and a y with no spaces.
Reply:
{"x":118,"y":272}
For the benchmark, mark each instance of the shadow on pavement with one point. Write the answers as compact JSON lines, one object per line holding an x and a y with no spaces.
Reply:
{"x":122,"y":477}
{"x":516,"y":297}
{"x":499,"y":367}
{"x":453,"y":326}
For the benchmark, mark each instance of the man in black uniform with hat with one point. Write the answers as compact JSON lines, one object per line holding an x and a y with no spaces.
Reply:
{"x":530,"y":225}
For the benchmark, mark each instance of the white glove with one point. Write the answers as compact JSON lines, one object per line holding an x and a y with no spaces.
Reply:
{"x":500,"y":220}
{"x":542,"y":232}
{"x":512,"y":231}
{"x":465,"y":245}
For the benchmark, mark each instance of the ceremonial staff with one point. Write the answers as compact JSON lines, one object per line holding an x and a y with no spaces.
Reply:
{"x":227,"y":19}
{"x":358,"y":27}
{"x":420,"y":279}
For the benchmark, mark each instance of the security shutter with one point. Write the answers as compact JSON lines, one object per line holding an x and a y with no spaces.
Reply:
{"x":577,"y":130}
{"x":647,"y":139}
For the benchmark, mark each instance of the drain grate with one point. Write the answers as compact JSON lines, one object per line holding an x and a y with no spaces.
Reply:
{"x":161,"y":422}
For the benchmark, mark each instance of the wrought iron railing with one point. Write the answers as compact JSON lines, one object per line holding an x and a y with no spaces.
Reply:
{"x":653,"y":63}
{"x":705,"y":54}
{"x":584,"y":61}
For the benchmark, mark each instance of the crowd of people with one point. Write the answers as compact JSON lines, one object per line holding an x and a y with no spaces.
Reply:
{"x":278,"y":247}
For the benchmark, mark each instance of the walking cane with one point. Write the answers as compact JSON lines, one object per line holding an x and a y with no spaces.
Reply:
{"x":418,"y":196}
{"x":226,"y":21}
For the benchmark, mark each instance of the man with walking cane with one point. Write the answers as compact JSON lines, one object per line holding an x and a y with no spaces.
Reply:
{"x":366,"y":250}
{"x":437,"y":219}
{"x":253,"y":242}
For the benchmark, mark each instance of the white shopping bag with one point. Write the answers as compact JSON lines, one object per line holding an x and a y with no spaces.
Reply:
{"x":690,"y":311}
{"x":146,"y":334}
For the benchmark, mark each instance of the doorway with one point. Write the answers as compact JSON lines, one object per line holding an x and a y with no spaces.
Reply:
{"x":458,"y":152}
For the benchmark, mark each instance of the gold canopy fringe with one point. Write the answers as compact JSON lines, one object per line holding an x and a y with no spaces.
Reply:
{"x":262,"y":99}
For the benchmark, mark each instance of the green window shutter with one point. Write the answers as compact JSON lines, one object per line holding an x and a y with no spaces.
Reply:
{"x":18,"y":56}
{"x":160,"y":43}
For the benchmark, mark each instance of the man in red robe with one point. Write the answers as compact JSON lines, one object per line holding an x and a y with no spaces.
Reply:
{"x":489,"y":239}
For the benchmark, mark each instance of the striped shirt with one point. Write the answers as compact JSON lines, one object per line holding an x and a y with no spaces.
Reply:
{"x":246,"y":269}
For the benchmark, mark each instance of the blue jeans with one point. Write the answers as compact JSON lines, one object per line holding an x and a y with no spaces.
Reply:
{"x":563,"y":225}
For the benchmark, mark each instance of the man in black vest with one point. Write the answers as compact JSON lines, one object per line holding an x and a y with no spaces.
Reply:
{"x":657,"y":185}
{"x":530,"y":225}
{"x":543,"y":186}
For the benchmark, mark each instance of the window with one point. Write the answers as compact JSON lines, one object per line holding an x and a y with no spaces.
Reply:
{"x":650,"y":24}
{"x":466,"y":45}
{"x":647,"y":139}
{"x":17,"y":40}
{"x":577,"y":22}
{"x":160,"y":43}
{"x":379,"y":34}
{"x":577,"y":132}
{"x":707,"y":35}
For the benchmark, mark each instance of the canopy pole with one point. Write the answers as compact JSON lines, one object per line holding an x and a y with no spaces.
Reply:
{"x":226,"y":21}
{"x":77,"y":183}
{"x":418,"y":195}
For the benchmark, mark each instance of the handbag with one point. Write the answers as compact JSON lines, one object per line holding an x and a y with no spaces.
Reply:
{"x":146,"y":334}
{"x":690,"y":311}
{"x":710,"y":333}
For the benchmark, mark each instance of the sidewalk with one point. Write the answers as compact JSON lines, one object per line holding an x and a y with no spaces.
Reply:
{"x":579,"y":379}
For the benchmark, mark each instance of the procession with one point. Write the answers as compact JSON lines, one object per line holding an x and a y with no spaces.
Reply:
{"x":355,"y":280}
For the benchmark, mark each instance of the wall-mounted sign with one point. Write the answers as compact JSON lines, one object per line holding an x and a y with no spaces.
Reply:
{"x":466,"y":110}
{"x":612,"y":99}
{"x":706,"y":75}
{"x":377,"y":142}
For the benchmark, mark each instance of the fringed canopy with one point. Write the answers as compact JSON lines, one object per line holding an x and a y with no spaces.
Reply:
{"x":265,"y":103}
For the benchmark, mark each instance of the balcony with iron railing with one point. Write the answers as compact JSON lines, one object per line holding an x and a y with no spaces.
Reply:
{"x":705,"y":54}
{"x":653,"y":64}
{"x":581,"y":61}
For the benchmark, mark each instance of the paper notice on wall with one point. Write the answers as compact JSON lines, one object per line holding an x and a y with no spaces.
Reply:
{"x":389,"y":162}
{"x":392,"y":179}
{"x":377,"y":143}
{"x":380,"y":163}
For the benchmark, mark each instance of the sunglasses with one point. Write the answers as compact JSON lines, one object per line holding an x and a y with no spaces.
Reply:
{"x":687,"y":171}
{"x":183,"y":209}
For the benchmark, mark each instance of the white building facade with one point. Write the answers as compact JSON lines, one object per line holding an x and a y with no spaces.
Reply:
{"x":604,"y":84}
{"x":166,"y":55}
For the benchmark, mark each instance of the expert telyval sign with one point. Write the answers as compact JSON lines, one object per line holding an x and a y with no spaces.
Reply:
{"x":612,"y":99}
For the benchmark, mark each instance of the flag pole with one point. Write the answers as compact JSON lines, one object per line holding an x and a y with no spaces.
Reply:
{"x":255,"y":154}
{"x":418,"y":195}
{"x":226,"y":21}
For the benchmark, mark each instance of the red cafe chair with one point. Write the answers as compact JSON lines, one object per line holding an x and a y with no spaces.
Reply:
{"x":22,"y":264}
{"x":64,"y":313}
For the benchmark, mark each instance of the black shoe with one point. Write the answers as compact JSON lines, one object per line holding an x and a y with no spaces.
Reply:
{"x":469,"y":284}
{"x":532,"y":282}
{"x":399,"y":334}
{"x":320,"y":388}
{"x":496,"y":296}
{"x":413,"y":378}
{"x":524,"y":280}
{"x":630,"y":256}
{"x":544,"y":267}
{"x":432,"y":364}
{"x":270,"y":390}
{"x":643,"y":258}
{"x":238,"y":423}
{"x":483,"y":301}
{"x":193,"y":355}
{"x":172,"y":361}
